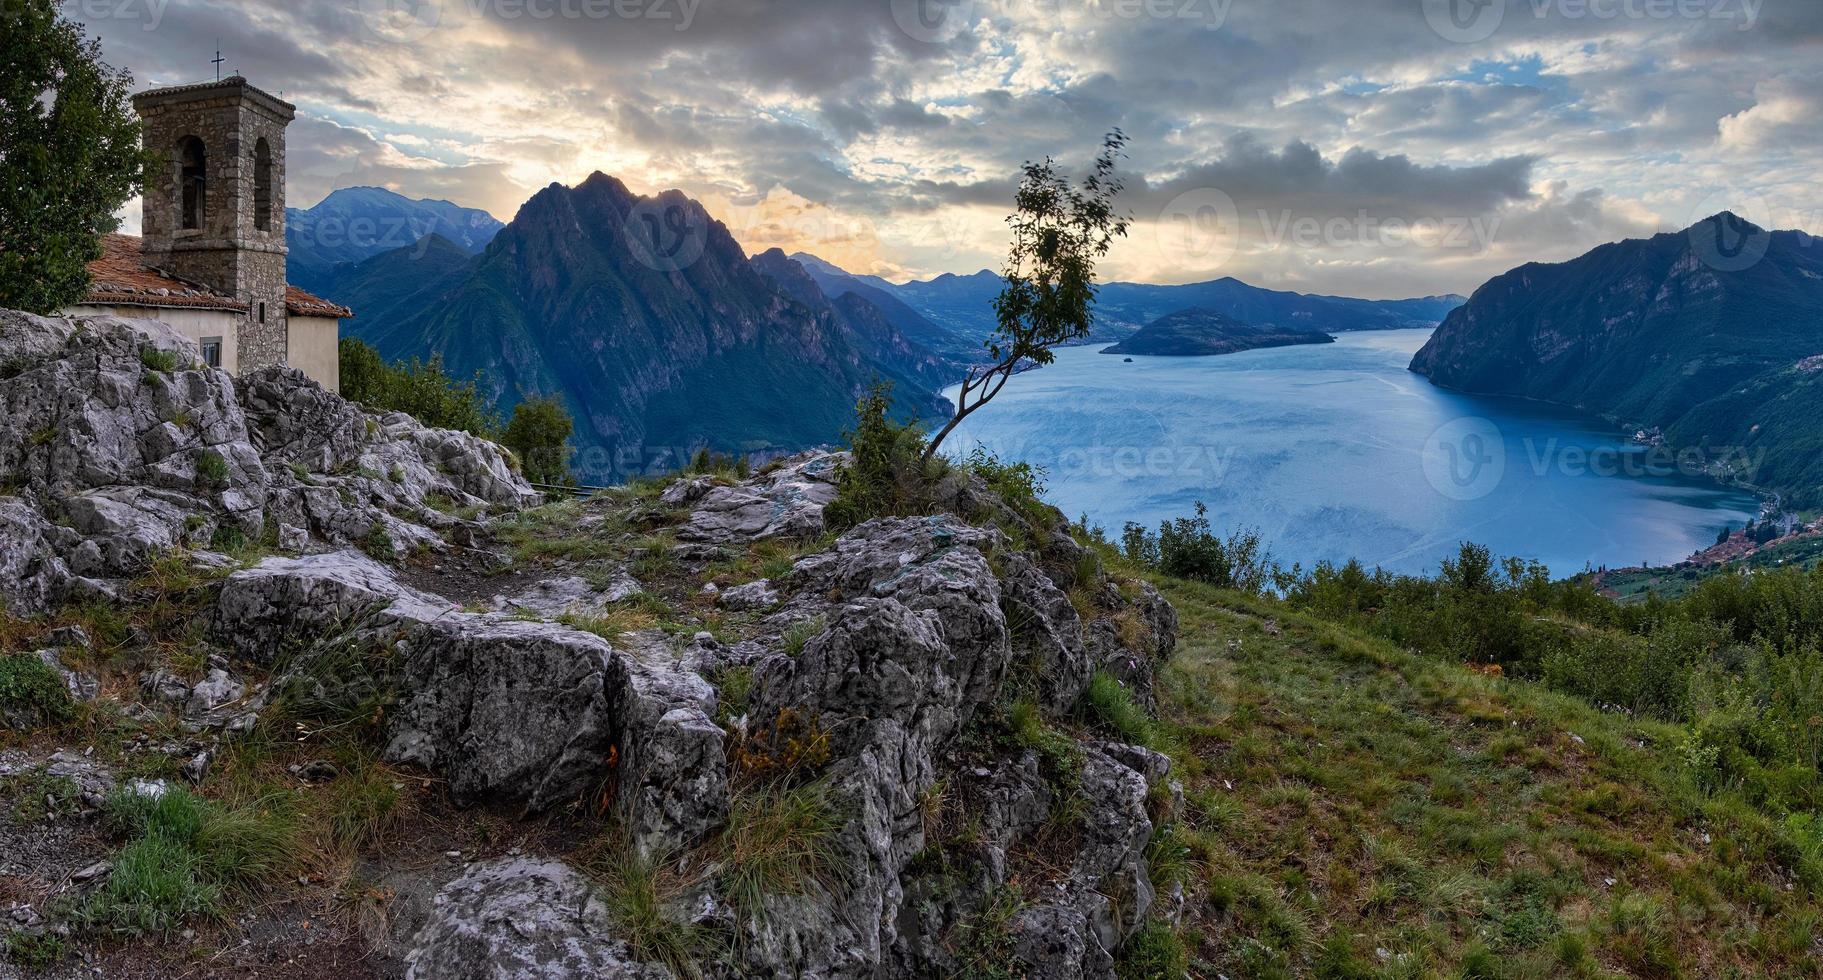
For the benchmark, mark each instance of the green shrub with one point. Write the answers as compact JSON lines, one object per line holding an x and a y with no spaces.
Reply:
{"x":30,"y":687}
{"x":636,"y":891}
{"x":539,"y":434}
{"x":1155,"y":952}
{"x":416,"y":388}
{"x":36,"y":950}
{"x":1019,"y":485}
{"x":212,"y":468}
{"x":800,"y":633}
{"x":163,"y":361}
{"x":1187,"y":548}
{"x":709,"y":463}
{"x":363,"y":806}
{"x":887,"y":476}
{"x":778,"y":841}
{"x":378,"y":544}
{"x":1109,"y":705}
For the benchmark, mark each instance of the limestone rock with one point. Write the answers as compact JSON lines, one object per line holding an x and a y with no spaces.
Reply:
{"x":896,"y":677}
{"x":116,"y":445}
{"x":283,"y":603}
{"x":32,"y":576}
{"x":1135,"y":668}
{"x":572,"y":596}
{"x":787,"y":503}
{"x":1046,"y":635}
{"x":508,"y":709}
{"x":753,"y":595}
{"x":522,"y":919}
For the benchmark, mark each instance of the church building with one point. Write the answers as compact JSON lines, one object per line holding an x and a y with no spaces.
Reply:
{"x":212,"y":259}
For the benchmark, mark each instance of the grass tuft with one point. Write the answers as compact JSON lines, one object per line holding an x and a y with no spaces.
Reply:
{"x":186,"y":857}
{"x":778,"y":841}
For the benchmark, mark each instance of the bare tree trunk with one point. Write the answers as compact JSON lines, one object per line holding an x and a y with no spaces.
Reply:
{"x":985,"y":388}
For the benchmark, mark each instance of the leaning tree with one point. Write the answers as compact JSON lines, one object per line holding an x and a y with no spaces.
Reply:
{"x":1059,"y":232}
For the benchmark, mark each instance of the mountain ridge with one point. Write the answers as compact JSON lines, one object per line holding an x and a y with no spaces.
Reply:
{"x":1666,"y":333}
{"x":962,"y":304}
{"x":654,"y":362}
{"x":354,"y":224}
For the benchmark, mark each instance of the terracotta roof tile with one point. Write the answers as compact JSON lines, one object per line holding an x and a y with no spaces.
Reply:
{"x":300,"y":303}
{"x":121,"y":277}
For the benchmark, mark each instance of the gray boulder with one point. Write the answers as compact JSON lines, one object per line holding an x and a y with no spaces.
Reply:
{"x":785,"y":503}
{"x":32,"y":576}
{"x":522,"y":919}
{"x":571,"y":596}
{"x":509,"y":709}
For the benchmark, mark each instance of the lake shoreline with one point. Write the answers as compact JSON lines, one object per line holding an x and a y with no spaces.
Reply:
{"x":1338,"y":451}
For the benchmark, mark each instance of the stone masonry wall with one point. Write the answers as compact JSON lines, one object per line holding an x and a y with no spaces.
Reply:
{"x":229,"y":252}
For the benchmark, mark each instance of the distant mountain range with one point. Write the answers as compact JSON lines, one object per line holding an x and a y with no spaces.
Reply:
{"x":1203,"y":333}
{"x":357,"y":223}
{"x":725,"y":352}
{"x":1696,"y":334}
{"x":963,"y":305}
{"x":654,"y":361}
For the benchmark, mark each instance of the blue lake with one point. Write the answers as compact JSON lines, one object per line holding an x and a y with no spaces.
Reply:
{"x":1337,"y":451}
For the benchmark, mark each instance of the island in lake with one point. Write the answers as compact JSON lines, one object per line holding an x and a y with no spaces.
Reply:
{"x":1202,"y":333}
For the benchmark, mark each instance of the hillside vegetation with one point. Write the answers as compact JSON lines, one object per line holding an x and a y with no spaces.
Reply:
{"x":1357,"y":809}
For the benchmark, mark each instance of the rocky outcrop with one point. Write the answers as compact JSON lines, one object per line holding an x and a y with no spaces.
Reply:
{"x":522,"y":919}
{"x":787,"y":503}
{"x":509,"y":709}
{"x":116,"y":445}
{"x":918,"y":645}
{"x":915,"y":676}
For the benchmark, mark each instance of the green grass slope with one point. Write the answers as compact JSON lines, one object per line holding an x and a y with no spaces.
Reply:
{"x":1356,"y":810}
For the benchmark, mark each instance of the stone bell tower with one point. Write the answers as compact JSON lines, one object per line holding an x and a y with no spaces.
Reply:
{"x":215,"y":212}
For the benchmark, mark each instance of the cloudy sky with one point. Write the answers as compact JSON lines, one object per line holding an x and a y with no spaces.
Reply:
{"x":1376,"y":148}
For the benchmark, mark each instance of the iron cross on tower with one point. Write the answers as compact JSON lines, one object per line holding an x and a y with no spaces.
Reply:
{"x":218,"y":62}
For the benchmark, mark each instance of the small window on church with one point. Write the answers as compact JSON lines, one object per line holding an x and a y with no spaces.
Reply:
{"x":193,"y":181}
{"x":262,"y":312}
{"x":262,"y":186}
{"x":212,"y":351}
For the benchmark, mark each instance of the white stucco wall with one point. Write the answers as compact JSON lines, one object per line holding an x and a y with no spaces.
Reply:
{"x":313,"y":349}
{"x":193,"y":323}
{"x":313,"y":342}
